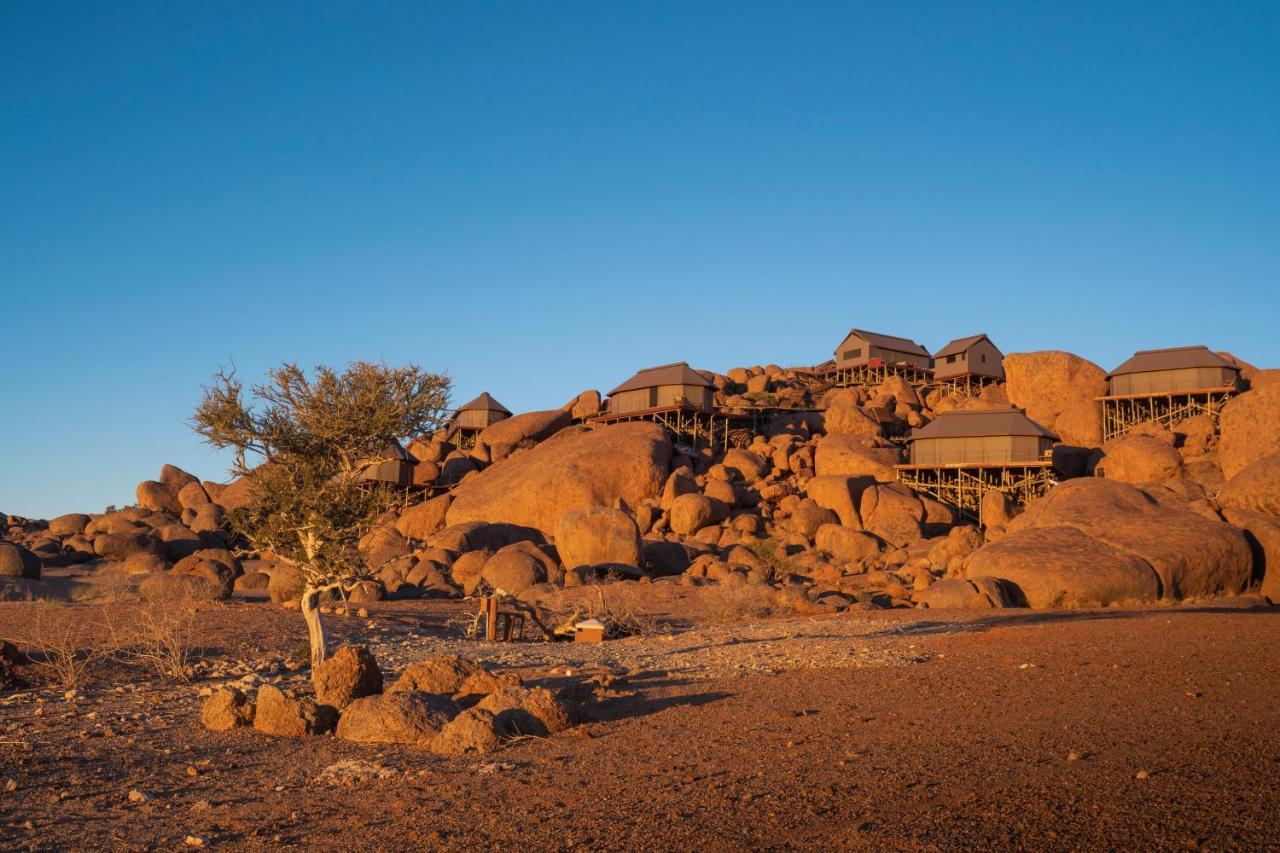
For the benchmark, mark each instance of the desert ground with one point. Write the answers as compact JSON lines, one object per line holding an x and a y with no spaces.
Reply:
{"x":719,"y":726}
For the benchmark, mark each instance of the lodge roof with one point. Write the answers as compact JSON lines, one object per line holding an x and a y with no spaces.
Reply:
{"x":960,"y":345}
{"x":889,"y":342}
{"x":679,"y":373}
{"x":1172,"y":358}
{"x":484,"y":403}
{"x":978,"y":423}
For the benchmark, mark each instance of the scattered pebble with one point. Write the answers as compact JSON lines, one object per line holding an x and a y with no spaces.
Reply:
{"x":139,"y":796}
{"x":1141,"y":774}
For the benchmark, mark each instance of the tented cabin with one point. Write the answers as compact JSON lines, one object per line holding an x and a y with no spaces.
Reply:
{"x":394,"y":465}
{"x":1173,"y":371}
{"x":662,"y":387}
{"x":971,"y":356}
{"x":981,"y":437}
{"x":862,"y":347}
{"x":481,"y":412}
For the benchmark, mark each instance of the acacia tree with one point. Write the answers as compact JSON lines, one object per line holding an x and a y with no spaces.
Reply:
{"x":305,"y":445}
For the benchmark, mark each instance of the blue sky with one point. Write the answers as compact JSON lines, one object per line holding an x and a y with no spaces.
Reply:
{"x":542,"y":198}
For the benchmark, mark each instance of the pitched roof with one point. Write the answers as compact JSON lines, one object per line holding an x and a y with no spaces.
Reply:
{"x":1173,"y":358}
{"x":679,"y":373}
{"x":960,"y":345}
{"x":890,"y":342}
{"x":976,"y":423}
{"x":484,"y":403}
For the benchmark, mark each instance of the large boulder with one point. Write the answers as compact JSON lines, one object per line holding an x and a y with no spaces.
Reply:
{"x":598,"y":536}
{"x":838,"y":494}
{"x":1058,"y":390}
{"x":517,"y":567}
{"x":351,"y":673}
{"x":290,"y":715}
{"x":1138,"y":459}
{"x":585,"y":405}
{"x":845,"y":415}
{"x":960,"y":594}
{"x":747,"y":465}
{"x":176,"y":479}
{"x":1263,"y":533}
{"x":527,"y":711}
{"x":892,"y":512}
{"x":421,"y":521}
{"x":441,"y":675}
{"x":157,"y":496}
{"x":842,"y":543}
{"x":1256,"y":486}
{"x":71,"y":524}
{"x":228,"y":708}
{"x":1193,"y":555}
{"x":845,"y":455}
{"x":1250,"y":429}
{"x":690,"y":513}
{"x":1064,"y":567}
{"x":121,"y":546}
{"x":412,"y":718}
{"x":475,"y":730}
{"x":18,"y":562}
{"x":498,"y":440}
{"x":573,"y":470}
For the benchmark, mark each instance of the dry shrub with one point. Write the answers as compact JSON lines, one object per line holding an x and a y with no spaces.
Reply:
{"x":725,"y":604}
{"x":620,"y":605}
{"x":160,"y":633}
{"x":62,"y":642}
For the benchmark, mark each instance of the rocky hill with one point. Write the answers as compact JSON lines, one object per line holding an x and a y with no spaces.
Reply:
{"x":807,"y":503}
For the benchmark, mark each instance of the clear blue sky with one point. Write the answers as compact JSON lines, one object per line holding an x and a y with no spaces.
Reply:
{"x":544,"y":197}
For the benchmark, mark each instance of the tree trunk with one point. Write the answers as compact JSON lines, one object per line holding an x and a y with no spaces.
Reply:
{"x":315,"y":627}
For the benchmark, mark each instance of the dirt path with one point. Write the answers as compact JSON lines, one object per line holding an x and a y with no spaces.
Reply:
{"x":894,"y":731}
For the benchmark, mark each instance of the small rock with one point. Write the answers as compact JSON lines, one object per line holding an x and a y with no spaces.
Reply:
{"x":1142,"y":774}
{"x":1073,"y":756}
{"x":10,"y":785}
{"x":194,"y":841}
{"x":139,"y":796}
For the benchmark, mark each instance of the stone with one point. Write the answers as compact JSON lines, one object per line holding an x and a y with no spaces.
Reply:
{"x":18,"y":562}
{"x":176,"y":479}
{"x":954,"y":594}
{"x":808,"y":517}
{"x":351,"y":673}
{"x":681,"y":482}
{"x":474,"y":731}
{"x":441,"y":675}
{"x":71,"y":524}
{"x":515,"y":568}
{"x":1255,"y":487}
{"x":1193,"y":555}
{"x":1249,"y":428}
{"x":192,"y":495}
{"x":121,"y":546}
{"x":228,"y":708}
{"x":843,"y":543}
{"x":217,"y":567}
{"x":598,"y":536}
{"x":287,"y":583}
{"x":575,"y":469}
{"x":1138,"y":459}
{"x":382,"y":546}
{"x":892,"y":512}
{"x":497,"y":440}
{"x":998,"y":509}
{"x":1063,"y":567}
{"x":208,"y":518}
{"x":410,"y":718}
{"x":843,"y":414}
{"x":285,"y":715}
{"x":1058,"y":391}
{"x":527,"y":711}
{"x":423,"y":520}
{"x":691,"y":512}
{"x":747,"y":465}
{"x":585,"y":405}
{"x":157,"y":496}
{"x":837,"y":493}
{"x":1263,"y":535}
{"x":845,"y":455}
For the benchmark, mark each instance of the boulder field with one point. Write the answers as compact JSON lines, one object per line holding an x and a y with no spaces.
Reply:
{"x":807,"y":505}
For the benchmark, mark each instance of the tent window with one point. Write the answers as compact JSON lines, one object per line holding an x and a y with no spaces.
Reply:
{"x":853,"y":353}
{"x":653,"y":397}
{"x":951,"y":359}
